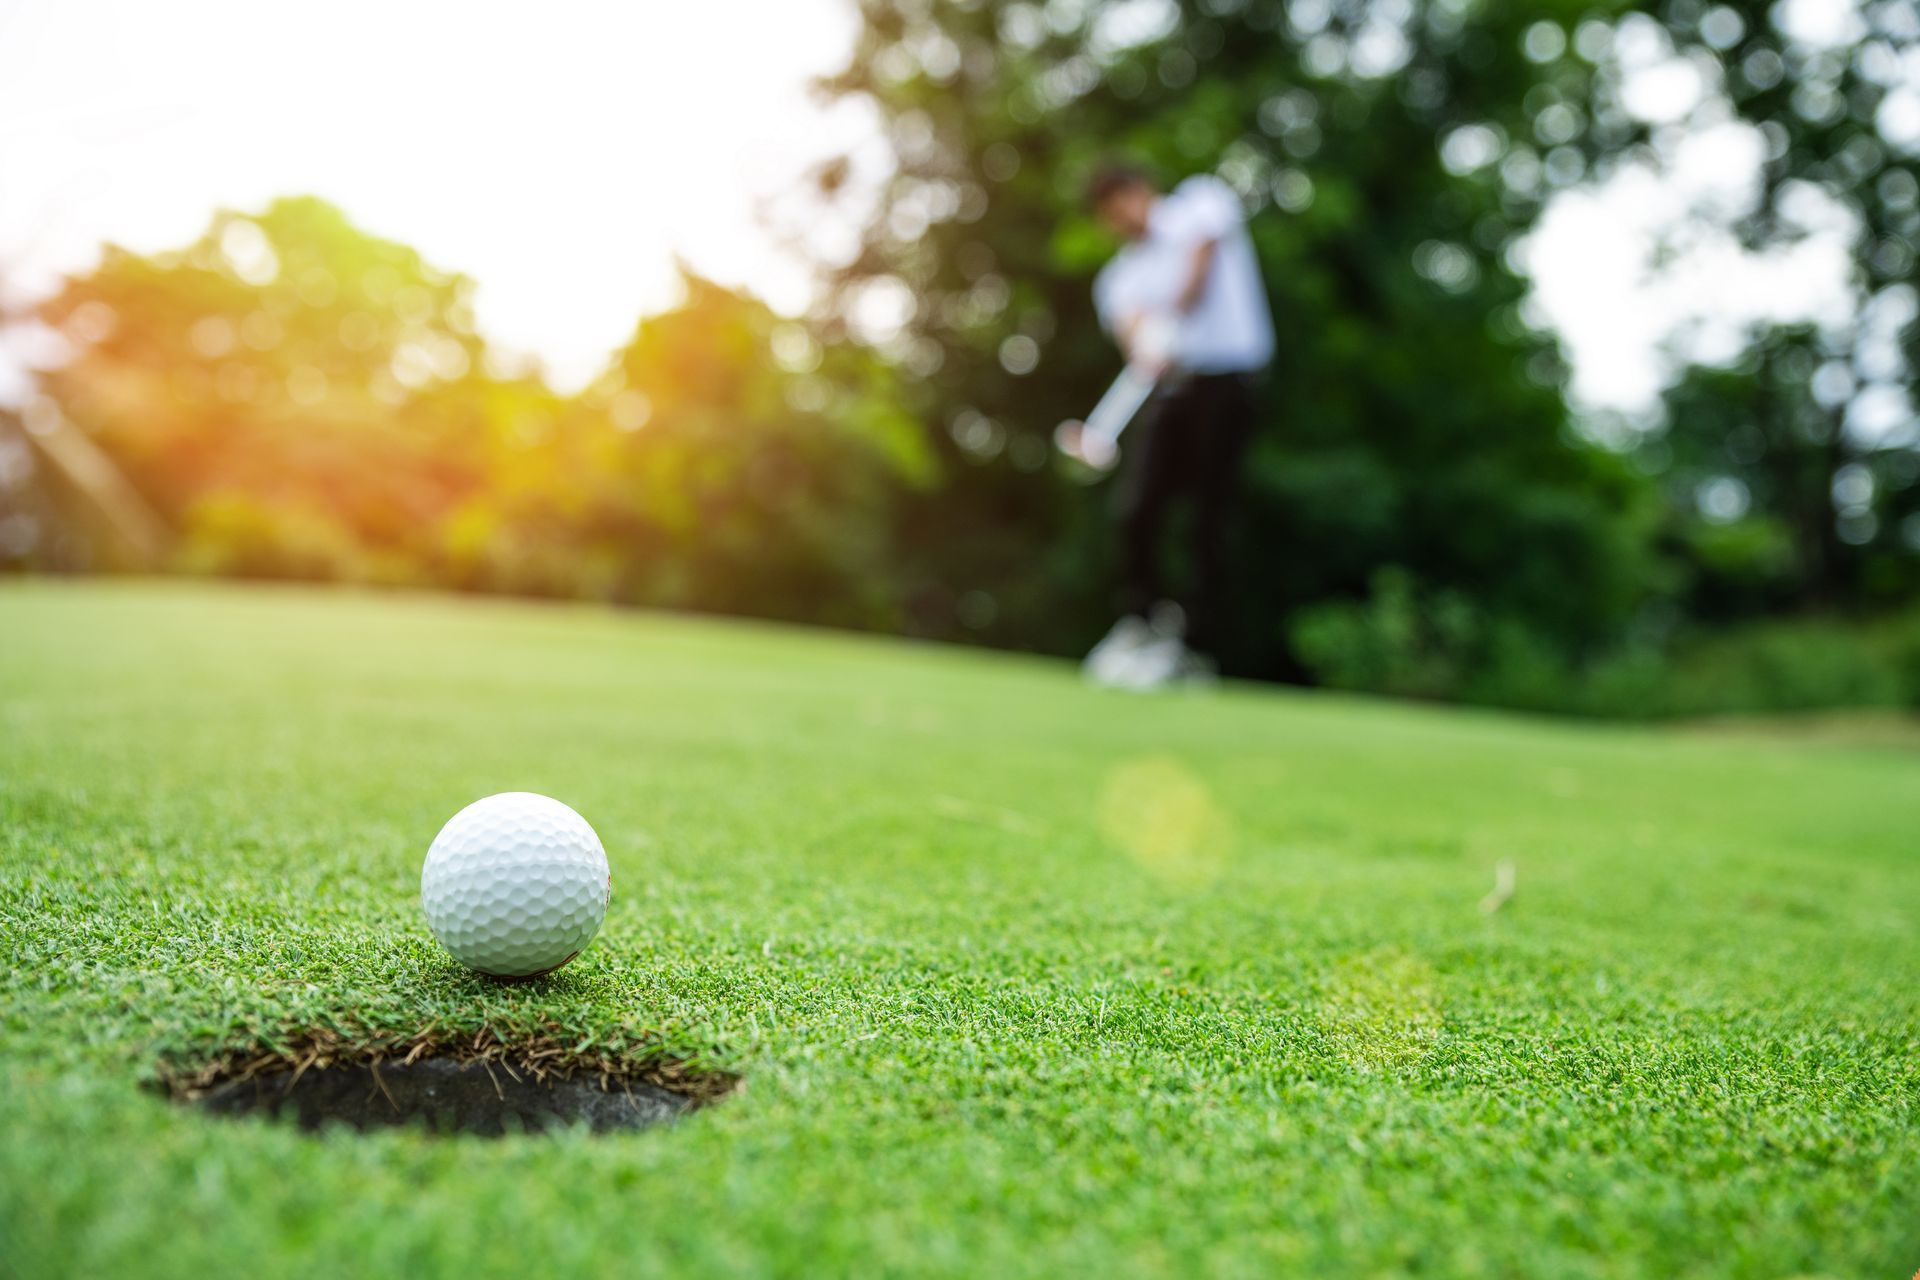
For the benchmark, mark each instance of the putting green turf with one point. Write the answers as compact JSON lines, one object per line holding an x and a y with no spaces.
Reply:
{"x":1022,"y":978}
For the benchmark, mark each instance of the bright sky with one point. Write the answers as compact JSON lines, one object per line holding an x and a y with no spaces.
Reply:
{"x":564,"y":154}
{"x":1641,"y":272}
{"x":561,"y":154}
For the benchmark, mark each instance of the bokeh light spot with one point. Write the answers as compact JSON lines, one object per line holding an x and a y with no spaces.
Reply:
{"x":1019,"y":354}
{"x":248,"y":253}
{"x":212,"y":336}
{"x":92,"y":322}
{"x":1382,"y":1010}
{"x":630,"y":410}
{"x":1165,"y":817}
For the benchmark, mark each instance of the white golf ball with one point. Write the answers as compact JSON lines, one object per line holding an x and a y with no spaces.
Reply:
{"x":515,"y":885}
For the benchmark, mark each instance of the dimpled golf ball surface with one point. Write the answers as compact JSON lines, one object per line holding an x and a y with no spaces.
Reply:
{"x":515,"y":885}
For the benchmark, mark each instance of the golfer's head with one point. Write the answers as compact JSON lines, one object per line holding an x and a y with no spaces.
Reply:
{"x":1122,"y":197}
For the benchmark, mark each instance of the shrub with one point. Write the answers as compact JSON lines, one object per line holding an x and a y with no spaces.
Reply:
{"x":1411,"y":641}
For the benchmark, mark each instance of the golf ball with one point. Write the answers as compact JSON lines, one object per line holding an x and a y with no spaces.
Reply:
{"x":515,"y":885}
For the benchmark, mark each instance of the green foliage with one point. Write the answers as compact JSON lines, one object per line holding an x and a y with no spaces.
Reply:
{"x":1390,"y":643}
{"x":1410,"y":420}
{"x":302,"y":400}
{"x":1023,"y":978}
{"x":1409,"y":639}
{"x":1796,"y":665}
{"x":1389,"y":156}
{"x":769,"y":466}
{"x":1790,"y":425}
{"x":1422,"y":642}
{"x":1753,"y":442}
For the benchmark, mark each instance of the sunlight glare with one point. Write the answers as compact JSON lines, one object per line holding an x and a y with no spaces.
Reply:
{"x":563,"y":159}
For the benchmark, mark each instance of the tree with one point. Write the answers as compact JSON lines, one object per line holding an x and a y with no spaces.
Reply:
{"x":1792,"y":466}
{"x":267,"y":390}
{"x":750,"y":470}
{"x":297,"y":398}
{"x":1412,"y":420}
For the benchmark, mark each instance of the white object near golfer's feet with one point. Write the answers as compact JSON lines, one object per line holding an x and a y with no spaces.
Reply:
{"x":1144,"y":654}
{"x":1109,"y":661}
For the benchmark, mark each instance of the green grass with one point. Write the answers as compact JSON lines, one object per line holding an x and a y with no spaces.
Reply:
{"x":1022,"y":978}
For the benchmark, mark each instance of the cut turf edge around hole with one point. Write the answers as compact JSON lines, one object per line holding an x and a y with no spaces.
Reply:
{"x":446,"y":1084}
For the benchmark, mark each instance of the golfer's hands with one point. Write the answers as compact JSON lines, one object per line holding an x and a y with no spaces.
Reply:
{"x":1147,"y":342}
{"x":1089,"y":450}
{"x":1150,"y":363}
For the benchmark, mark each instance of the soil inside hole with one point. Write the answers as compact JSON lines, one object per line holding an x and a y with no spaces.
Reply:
{"x":476,"y":1089}
{"x":444,"y":1096}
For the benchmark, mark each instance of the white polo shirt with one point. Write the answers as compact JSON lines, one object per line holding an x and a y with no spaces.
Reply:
{"x":1229,"y":329}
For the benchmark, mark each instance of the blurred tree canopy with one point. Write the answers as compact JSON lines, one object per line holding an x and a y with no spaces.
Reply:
{"x":299,"y":399}
{"x":1414,"y":421}
{"x":1791,"y":469}
{"x":1391,"y":155}
{"x":1425,"y":514}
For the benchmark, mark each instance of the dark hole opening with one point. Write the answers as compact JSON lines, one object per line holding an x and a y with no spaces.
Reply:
{"x":445,"y":1095}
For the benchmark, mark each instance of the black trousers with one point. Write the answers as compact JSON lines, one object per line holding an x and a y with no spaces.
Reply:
{"x":1188,"y":443}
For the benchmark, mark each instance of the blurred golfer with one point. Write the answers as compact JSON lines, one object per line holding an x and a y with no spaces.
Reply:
{"x":1184,"y":300}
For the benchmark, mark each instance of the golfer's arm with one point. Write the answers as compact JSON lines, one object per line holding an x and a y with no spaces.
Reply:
{"x":1199,"y":267}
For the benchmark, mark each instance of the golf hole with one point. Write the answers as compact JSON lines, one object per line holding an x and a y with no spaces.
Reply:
{"x":445,"y":1093}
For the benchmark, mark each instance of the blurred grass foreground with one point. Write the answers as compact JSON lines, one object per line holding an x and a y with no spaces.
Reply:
{"x":292,"y":397}
{"x":1024,"y":979}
